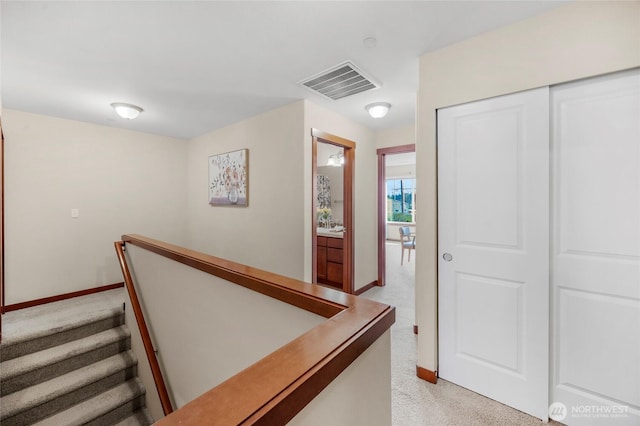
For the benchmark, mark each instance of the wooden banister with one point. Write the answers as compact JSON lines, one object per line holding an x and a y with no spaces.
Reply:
{"x":280,"y":385}
{"x":144,"y":332}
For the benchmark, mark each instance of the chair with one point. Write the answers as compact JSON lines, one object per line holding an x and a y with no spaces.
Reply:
{"x":407,"y":241}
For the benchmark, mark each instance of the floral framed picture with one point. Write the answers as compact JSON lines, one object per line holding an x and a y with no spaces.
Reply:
{"x":229,"y":178}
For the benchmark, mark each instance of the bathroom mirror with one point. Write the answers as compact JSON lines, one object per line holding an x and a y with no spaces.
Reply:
{"x":330,"y":186}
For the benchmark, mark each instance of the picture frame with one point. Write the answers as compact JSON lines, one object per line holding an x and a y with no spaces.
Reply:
{"x":229,"y":178}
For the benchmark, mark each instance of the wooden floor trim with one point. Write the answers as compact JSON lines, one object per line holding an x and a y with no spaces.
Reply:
{"x":59,"y":297}
{"x":428,"y":375}
{"x":369,"y":286}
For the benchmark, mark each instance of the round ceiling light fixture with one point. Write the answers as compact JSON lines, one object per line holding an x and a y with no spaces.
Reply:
{"x":370,"y":42}
{"x":378,"y":109}
{"x":128,"y":111}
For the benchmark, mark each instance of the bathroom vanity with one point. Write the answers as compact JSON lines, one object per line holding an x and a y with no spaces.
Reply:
{"x":330,"y":257}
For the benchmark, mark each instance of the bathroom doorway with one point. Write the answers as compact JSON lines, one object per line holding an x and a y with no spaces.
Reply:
{"x":332,"y":239}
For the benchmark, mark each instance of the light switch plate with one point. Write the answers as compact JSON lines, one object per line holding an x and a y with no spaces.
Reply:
{"x":75,"y":213}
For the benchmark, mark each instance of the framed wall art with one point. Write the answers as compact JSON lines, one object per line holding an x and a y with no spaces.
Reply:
{"x":229,"y":178}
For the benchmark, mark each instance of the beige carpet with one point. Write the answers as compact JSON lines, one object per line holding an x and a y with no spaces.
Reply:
{"x":415,"y":401}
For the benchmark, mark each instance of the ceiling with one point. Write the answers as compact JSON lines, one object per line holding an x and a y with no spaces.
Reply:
{"x":195,"y":66}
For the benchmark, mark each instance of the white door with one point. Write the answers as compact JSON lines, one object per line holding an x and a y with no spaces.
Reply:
{"x":493,"y":237}
{"x":595,"y":252}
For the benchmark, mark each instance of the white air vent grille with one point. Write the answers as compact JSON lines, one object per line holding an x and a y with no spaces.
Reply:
{"x":340,"y":81}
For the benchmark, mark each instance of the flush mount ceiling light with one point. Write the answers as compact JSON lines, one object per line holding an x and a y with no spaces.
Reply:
{"x":370,"y":42}
{"x":127,"y":111}
{"x":378,"y":109}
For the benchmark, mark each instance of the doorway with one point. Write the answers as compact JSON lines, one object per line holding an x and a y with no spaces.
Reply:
{"x":333,"y":162}
{"x":383,"y":205}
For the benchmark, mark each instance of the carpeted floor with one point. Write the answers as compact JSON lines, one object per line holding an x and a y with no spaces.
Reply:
{"x":415,"y":401}
{"x":40,"y":319}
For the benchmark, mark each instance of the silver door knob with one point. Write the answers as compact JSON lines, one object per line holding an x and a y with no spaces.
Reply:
{"x":447,"y":257}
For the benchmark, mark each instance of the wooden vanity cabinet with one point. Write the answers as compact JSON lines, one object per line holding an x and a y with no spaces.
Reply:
{"x":330,"y":261}
{"x":322,"y":258}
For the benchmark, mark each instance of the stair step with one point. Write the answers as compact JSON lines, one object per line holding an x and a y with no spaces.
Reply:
{"x":109,"y":407}
{"x":47,"y":398}
{"x":90,"y":324}
{"x":37,"y":367}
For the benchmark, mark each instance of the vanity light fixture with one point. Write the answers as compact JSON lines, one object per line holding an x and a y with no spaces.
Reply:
{"x":336,"y":160}
{"x":378,"y":109}
{"x":128,"y":111}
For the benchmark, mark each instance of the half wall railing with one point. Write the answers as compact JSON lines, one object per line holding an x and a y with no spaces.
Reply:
{"x":278,"y":386}
{"x":158,"y":378}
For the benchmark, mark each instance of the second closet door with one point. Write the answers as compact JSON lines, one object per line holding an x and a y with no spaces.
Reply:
{"x":596,"y":250}
{"x":493,"y":213}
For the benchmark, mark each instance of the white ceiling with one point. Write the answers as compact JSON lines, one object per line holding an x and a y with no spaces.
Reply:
{"x":195,"y":66}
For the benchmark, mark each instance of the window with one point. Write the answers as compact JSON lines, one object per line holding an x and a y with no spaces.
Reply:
{"x":401,"y":198}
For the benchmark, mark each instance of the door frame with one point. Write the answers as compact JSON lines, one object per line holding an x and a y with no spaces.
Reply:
{"x":1,"y":226}
{"x":382,"y":206}
{"x":349,"y":220}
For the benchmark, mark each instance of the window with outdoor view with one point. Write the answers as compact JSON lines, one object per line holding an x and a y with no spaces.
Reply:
{"x":401,"y":198}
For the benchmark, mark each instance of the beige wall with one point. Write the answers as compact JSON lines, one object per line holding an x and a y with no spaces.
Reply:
{"x":216,"y":328}
{"x":407,"y":170}
{"x":268,"y":233}
{"x":574,"y":41}
{"x":359,"y":396}
{"x":121,"y":181}
{"x":396,"y":136}
{"x":365,"y":193}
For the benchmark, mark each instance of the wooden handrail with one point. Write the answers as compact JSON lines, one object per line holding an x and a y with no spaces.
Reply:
{"x":280,"y":385}
{"x":144,"y":332}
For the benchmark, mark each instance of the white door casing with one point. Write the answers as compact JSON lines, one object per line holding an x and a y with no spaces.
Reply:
{"x":493,"y":218}
{"x":595,"y":250}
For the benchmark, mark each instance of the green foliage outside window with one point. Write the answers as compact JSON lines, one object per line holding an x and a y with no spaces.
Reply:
{"x":402,"y":217}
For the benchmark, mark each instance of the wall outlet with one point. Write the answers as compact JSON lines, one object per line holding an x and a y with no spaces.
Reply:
{"x":75,"y":213}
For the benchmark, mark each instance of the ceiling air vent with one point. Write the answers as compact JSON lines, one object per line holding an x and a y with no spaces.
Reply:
{"x":340,"y":81}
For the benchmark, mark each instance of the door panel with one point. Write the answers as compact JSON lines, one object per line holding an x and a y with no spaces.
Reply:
{"x":596,"y":249}
{"x":493,"y":210}
{"x":499,"y":315}
{"x":488,"y":204}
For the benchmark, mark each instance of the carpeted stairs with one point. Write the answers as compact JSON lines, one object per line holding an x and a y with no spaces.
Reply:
{"x":82,"y":373}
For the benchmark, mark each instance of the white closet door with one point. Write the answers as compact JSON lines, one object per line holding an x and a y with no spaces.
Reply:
{"x":596,"y":250}
{"x":493,"y":215}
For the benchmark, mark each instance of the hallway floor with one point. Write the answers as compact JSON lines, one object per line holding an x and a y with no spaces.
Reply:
{"x":416,"y":402}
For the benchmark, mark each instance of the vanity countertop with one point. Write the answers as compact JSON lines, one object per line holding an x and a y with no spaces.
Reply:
{"x":324,"y":232}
